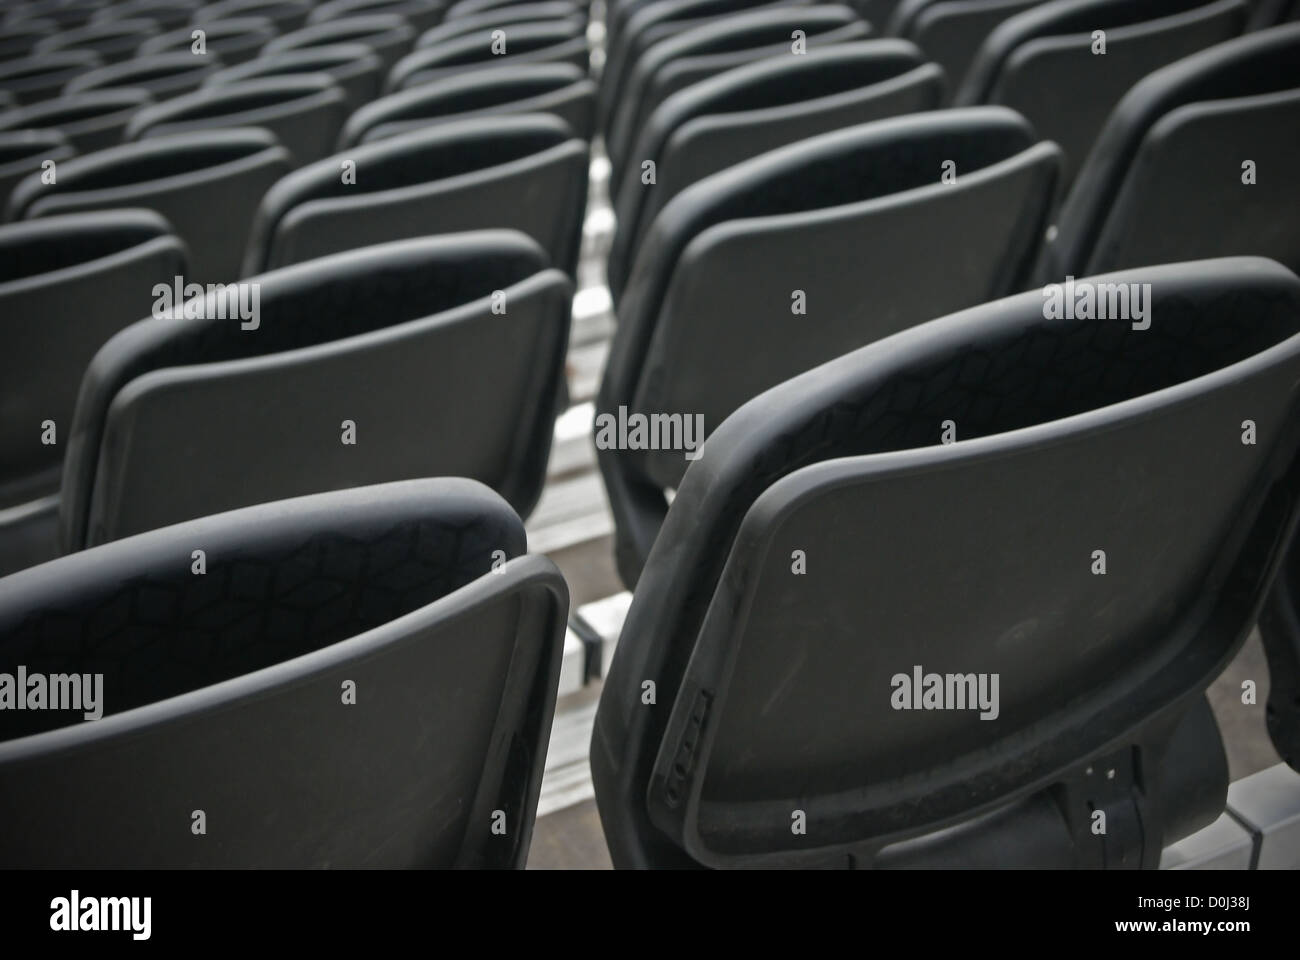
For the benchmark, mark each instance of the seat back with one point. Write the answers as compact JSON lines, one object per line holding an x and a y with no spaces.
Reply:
{"x":113,"y":40}
{"x":1024,"y":611}
{"x":743,"y":112}
{"x":67,"y":284}
{"x":705,"y":51}
{"x":354,"y":68}
{"x":386,"y":657}
{"x":420,"y":14}
{"x":162,"y":75}
{"x":465,"y":332}
{"x":285,"y":15}
{"x":560,"y":89}
{"x":1040,"y":59}
{"x":1169,"y":180}
{"x":231,"y":41}
{"x":23,"y":152}
{"x":526,"y":173}
{"x":803,"y":254}
{"x":387,"y":34}
{"x":165,"y":14}
{"x":304,"y":112}
{"x":552,"y":41}
{"x":90,"y":121}
{"x":951,"y":31}
{"x":207,"y":185}
{"x":493,"y":19}
{"x":18,"y":38}
{"x":33,"y":79}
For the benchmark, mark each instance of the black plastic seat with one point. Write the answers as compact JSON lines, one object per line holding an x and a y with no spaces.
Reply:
{"x":490,"y":20}
{"x":359,"y":657}
{"x":802,"y":254}
{"x":285,"y":15}
{"x":1165,"y":181}
{"x":230,"y":41}
{"x":705,"y":51}
{"x":470,"y":8}
{"x":33,"y":79}
{"x":91,"y":121}
{"x":829,"y":552}
{"x":1268,"y":13}
{"x":526,"y":173}
{"x":442,"y":355}
{"x":355,"y":69}
{"x":555,"y":41}
{"x":67,"y":284}
{"x":304,"y":112}
{"x":560,"y":89}
{"x":1042,"y":59}
{"x":634,"y":29}
{"x":387,"y":34}
{"x":113,"y":40}
{"x":19,"y":38}
{"x":207,"y":185}
{"x":162,"y":76}
{"x":166,"y":14}
{"x":951,"y":31}
{"x":68,"y":14}
{"x":23,"y":152}
{"x":420,"y":14}
{"x":763,"y":105}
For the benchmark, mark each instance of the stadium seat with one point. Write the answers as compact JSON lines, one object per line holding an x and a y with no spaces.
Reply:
{"x":230,"y":41}
{"x":17,"y":39}
{"x":387,"y":34}
{"x":162,"y":75}
{"x":1040,"y":60}
{"x":207,"y":185}
{"x":67,"y":284}
{"x":560,"y":89}
{"x":384,"y":658}
{"x":797,"y":256}
{"x":420,"y":14}
{"x":553,"y":41}
{"x":813,"y":666}
{"x":355,"y":69}
{"x":67,"y":14}
{"x":704,"y":51}
{"x":285,"y":15}
{"x":274,"y":390}
{"x":763,"y":105}
{"x":527,"y":173}
{"x":305,"y":112}
{"x":488,"y":20}
{"x":113,"y":40}
{"x":166,"y":14}
{"x":951,"y":31}
{"x":33,"y":79}
{"x":1166,"y":181}
{"x":23,"y":152}
{"x":91,"y":121}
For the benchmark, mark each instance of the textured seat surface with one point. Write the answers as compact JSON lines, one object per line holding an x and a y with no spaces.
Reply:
{"x":207,"y":185}
{"x":465,"y":333}
{"x":526,"y":173}
{"x":385,"y":657}
{"x":830,"y":548}
{"x":743,"y":112}
{"x":796,"y":256}
{"x":560,"y":89}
